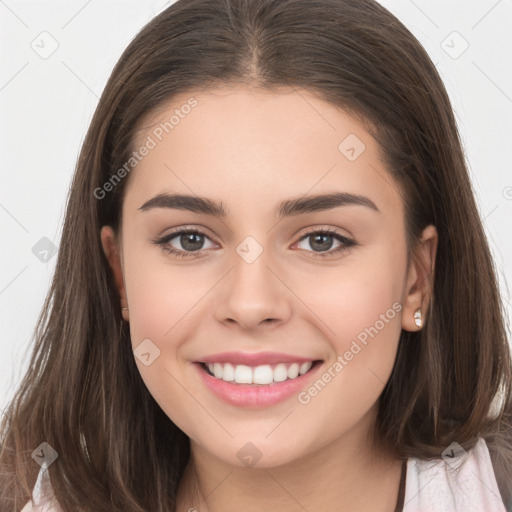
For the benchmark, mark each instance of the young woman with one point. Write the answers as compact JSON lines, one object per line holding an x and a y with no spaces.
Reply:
{"x":273,"y":289}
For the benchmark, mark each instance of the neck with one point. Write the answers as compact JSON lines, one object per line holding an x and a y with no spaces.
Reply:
{"x":347,"y":474}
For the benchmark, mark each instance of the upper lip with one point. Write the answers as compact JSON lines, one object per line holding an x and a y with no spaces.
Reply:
{"x":254,"y":359}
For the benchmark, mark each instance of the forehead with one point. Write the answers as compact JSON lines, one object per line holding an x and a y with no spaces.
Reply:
{"x":238,"y":144}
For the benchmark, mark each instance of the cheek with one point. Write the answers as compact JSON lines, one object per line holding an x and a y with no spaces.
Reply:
{"x":162,"y":295}
{"x":356,"y":300}
{"x":164,"y":302}
{"x":360,"y":312}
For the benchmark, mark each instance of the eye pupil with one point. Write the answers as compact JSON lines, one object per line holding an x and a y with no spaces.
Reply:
{"x":318,"y":238}
{"x":187,"y":241}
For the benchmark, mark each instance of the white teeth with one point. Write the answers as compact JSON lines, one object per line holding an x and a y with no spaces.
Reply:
{"x":304,"y":367}
{"x":217,"y":370}
{"x":243,"y":374}
{"x":280,"y":373}
{"x":263,"y":374}
{"x":293,"y":371}
{"x":228,"y":373}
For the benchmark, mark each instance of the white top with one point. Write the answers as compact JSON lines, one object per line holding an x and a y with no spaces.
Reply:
{"x":42,"y":494}
{"x":459,"y":482}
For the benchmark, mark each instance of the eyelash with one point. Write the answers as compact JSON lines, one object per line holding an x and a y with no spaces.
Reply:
{"x":163,"y":242}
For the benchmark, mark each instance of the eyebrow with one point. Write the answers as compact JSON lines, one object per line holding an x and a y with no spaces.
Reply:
{"x":287,"y":208}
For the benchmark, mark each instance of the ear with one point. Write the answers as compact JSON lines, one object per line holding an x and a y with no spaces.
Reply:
{"x":418,"y":291}
{"x":111,"y":248}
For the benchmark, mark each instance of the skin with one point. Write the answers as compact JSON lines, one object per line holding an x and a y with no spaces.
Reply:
{"x":251,"y":149}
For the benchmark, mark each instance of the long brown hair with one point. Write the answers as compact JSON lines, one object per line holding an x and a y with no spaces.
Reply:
{"x":82,"y":392}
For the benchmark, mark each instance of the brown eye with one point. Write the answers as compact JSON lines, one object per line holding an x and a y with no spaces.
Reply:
{"x":185,"y":242}
{"x":191,"y":241}
{"x":321,"y":241}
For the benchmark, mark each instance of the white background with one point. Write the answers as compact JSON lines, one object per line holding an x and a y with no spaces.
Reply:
{"x":46,"y":106}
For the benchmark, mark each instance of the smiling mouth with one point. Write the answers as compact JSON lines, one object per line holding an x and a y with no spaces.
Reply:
{"x":262,"y":375}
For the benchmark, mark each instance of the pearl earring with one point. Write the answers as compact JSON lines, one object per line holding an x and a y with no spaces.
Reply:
{"x":417,"y":318}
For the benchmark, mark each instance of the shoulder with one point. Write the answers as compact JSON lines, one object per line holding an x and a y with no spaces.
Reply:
{"x":460,"y":481}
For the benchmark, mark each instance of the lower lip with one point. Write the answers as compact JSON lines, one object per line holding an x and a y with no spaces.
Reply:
{"x":255,"y":395}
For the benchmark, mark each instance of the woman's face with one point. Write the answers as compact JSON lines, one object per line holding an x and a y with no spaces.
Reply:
{"x":262,"y":290}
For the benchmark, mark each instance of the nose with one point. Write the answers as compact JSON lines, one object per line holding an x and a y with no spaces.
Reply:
{"x":253,"y":294}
